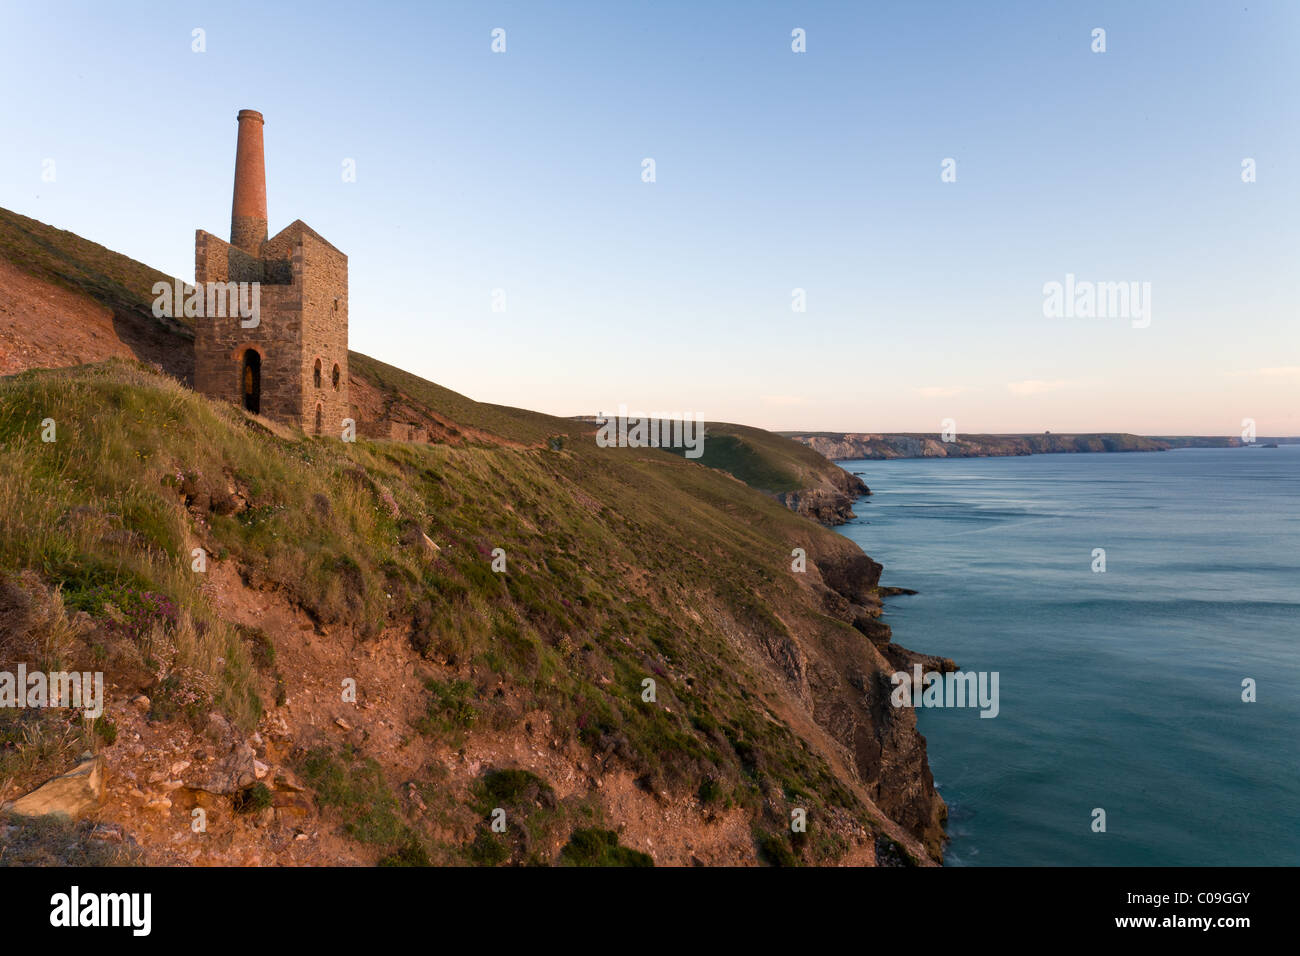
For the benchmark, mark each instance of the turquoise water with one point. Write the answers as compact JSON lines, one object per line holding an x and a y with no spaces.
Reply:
{"x":1119,"y":690}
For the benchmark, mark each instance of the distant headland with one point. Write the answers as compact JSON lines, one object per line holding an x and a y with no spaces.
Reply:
{"x":850,"y":446}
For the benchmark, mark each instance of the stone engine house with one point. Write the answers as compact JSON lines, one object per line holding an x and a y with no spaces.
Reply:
{"x":292,"y":365}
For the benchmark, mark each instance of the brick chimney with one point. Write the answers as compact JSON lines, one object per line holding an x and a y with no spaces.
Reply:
{"x":248,"y":213}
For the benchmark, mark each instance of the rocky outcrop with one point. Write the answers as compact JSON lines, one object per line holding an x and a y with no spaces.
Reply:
{"x":849,"y":684}
{"x":852,"y":574}
{"x":230,"y":768}
{"x":831,"y":504}
{"x":73,"y":794}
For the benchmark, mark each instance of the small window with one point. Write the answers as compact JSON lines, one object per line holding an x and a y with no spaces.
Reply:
{"x":319,"y":419}
{"x":335,"y":376}
{"x":336,"y":305}
{"x":316,"y":374}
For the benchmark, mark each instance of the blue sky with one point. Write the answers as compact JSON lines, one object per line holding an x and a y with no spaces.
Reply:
{"x":521,"y":171}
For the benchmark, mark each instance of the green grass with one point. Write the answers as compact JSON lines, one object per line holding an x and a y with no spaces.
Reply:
{"x":760,"y":459}
{"x":252,"y":799}
{"x":451,"y":710}
{"x":354,"y":786}
{"x":622,"y":564}
{"x":595,"y":847}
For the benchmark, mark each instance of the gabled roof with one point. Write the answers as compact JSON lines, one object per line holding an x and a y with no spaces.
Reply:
{"x":296,"y":230}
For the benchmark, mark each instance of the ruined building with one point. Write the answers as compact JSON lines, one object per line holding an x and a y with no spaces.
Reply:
{"x":291,"y":364}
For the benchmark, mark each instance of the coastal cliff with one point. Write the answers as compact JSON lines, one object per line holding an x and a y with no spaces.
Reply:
{"x":830,"y":506}
{"x":477,"y":683}
{"x":852,"y":446}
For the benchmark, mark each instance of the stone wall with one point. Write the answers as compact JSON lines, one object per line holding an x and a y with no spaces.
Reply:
{"x":221,"y":341}
{"x":324,"y":335}
{"x":405,"y":431}
{"x":216,"y":260}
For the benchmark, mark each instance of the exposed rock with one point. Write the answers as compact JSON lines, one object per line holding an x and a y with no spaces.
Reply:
{"x":217,"y":726}
{"x":223,"y":496}
{"x":290,"y":803}
{"x":110,"y":833}
{"x":413,"y":536}
{"x":73,"y":794}
{"x":852,"y":574}
{"x":827,"y":507}
{"x":832,"y":502}
{"x":287,"y":782}
{"x":902,"y":659}
{"x":233,"y":771}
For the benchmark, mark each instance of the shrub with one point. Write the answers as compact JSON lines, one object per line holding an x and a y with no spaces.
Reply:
{"x":358,"y":790}
{"x":595,"y":847}
{"x":513,"y":788}
{"x":711,"y":791}
{"x":773,"y":851}
{"x":410,"y":853}
{"x":449,"y":711}
{"x":488,"y":849}
{"x":106,"y":730}
{"x":260,"y":644}
{"x":185,"y":693}
{"x":252,"y":799}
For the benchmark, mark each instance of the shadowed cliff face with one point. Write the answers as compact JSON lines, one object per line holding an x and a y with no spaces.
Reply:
{"x":852,"y":696}
{"x":829,"y":505}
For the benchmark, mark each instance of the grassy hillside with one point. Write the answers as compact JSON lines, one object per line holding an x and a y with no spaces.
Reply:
{"x":514,"y":424}
{"x":761,"y":459}
{"x":622,"y":565}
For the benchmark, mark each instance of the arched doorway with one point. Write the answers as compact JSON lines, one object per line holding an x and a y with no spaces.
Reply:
{"x":250,"y":381}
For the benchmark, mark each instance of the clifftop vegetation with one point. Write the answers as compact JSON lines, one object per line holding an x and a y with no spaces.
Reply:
{"x":518,"y":579}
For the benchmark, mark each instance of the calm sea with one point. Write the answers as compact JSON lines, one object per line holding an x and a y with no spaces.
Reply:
{"x":1119,"y":690}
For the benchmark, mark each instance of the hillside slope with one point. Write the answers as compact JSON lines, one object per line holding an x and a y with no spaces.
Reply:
{"x":796,"y":475}
{"x":370,"y":565}
{"x":852,"y":446}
